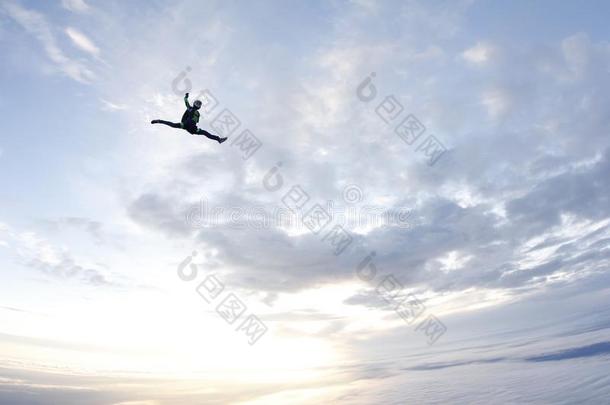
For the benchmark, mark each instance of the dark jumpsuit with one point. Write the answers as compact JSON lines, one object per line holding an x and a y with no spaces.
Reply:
{"x":189,"y":122}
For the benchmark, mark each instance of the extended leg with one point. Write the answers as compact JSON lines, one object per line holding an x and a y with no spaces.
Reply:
{"x":207,"y":134}
{"x":171,"y":124}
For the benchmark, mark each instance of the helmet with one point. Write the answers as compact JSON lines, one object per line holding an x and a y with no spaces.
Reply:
{"x":197,"y":104}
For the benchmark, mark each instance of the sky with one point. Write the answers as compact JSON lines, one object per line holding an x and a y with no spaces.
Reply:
{"x":409,"y":207}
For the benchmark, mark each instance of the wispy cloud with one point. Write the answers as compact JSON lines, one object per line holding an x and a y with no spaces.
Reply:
{"x":82,"y":41}
{"x":479,"y":54}
{"x":110,"y":106}
{"x":36,"y":25}
{"x":38,"y":254}
{"x":77,"y":6}
{"x":33,"y":251}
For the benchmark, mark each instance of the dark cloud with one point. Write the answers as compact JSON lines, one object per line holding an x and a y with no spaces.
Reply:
{"x":269,"y":259}
{"x":161,"y":213}
{"x":581,"y":192}
{"x":596,"y":349}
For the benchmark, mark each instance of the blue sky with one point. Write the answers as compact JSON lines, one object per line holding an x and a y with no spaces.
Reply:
{"x":506,"y":241}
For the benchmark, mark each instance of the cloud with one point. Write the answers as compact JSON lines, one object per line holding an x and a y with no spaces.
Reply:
{"x":479,"y":54}
{"x":36,"y":25}
{"x":596,"y":349}
{"x":515,"y":209}
{"x":473,"y":205}
{"x":33,"y":251}
{"x":161,"y":213}
{"x":483,"y":249}
{"x":58,"y":263}
{"x":76,"y":6}
{"x":514,"y":168}
{"x":497,"y":102}
{"x":110,"y":106}
{"x":81,"y":41}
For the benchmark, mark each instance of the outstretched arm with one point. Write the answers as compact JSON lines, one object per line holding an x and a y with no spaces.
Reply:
{"x":186,"y":100}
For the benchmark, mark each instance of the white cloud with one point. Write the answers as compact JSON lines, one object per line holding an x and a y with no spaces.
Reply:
{"x":496,"y":101}
{"x":82,"y":41}
{"x":36,"y":25}
{"x":479,"y":54}
{"x":110,"y":106}
{"x":453,"y":260}
{"x":76,"y":6}
{"x":37,"y":253}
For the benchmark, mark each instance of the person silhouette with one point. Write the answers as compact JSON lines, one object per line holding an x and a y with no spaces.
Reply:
{"x":189,"y":121}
